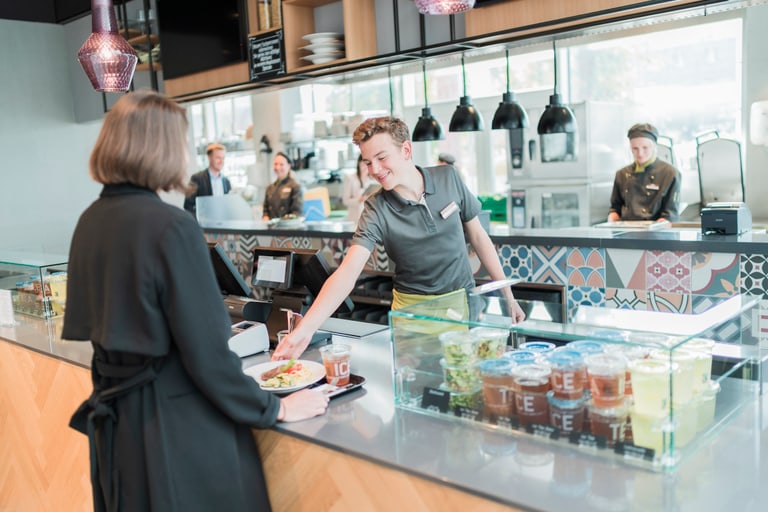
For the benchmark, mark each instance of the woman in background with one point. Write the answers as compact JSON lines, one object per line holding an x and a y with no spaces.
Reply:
{"x":170,"y":417}
{"x":284,"y":196}
{"x":356,"y":190}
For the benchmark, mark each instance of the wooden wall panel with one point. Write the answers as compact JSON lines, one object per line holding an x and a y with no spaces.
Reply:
{"x":43,"y":463}
{"x":217,"y":78}
{"x":507,"y":16}
{"x":302,"y":476}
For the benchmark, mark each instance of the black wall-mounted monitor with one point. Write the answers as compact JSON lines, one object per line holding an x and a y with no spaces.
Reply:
{"x":198,"y":35}
{"x":230,"y":280}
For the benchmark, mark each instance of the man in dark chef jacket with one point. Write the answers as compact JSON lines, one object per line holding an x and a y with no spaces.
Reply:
{"x":210,"y":181}
{"x":648,"y":188}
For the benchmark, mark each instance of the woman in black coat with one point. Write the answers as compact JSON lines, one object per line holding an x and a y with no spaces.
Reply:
{"x":169,"y":421}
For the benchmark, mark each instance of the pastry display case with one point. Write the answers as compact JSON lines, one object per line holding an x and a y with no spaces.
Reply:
{"x":642,"y":387}
{"x":37,"y":282}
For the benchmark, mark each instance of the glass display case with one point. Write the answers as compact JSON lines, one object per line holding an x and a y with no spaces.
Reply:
{"x":37,"y":282}
{"x":643,"y":387}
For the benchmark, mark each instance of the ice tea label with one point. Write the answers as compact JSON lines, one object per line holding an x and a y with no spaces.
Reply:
{"x":340,"y":367}
{"x":540,"y":430}
{"x":631,"y":451}
{"x":587,"y":440}
{"x":435,"y":400}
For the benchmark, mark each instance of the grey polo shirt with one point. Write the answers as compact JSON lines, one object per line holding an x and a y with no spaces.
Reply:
{"x":424,"y":240}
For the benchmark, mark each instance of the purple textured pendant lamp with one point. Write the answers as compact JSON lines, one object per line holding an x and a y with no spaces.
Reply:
{"x":444,"y":6}
{"x":106,"y":57}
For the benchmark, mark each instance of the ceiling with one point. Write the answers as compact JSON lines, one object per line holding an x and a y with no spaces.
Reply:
{"x":44,"y":11}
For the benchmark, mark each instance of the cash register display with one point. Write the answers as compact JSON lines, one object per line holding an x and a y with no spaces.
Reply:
{"x":273,"y":269}
{"x":305,"y":274}
{"x":308,"y":272}
{"x":227,"y":276}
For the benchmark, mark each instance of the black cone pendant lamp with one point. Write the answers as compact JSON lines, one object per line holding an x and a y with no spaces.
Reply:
{"x":427,"y":127}
{"x":510,"y":114}
{"x":465,"y":118}
{"x":557,"y":127}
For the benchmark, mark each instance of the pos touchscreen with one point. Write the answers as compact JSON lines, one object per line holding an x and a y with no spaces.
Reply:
{"x":273,"y":269}
{"x":305,"y":272}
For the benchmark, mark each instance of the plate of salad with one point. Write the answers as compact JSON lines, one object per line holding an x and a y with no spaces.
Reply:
{"x":285,"y":376}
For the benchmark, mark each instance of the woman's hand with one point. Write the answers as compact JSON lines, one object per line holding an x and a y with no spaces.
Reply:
{"x":303,"y":405}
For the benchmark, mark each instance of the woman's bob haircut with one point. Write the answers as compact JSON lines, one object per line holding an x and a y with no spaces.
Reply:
{"x":143,"y":142}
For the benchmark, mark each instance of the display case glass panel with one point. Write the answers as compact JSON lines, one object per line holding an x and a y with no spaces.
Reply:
{"x":37,"y":282}
{"x":644,"y":387}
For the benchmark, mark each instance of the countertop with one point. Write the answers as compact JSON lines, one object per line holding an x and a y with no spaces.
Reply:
{"x":727,"y":471}
{"x":672,"y":239}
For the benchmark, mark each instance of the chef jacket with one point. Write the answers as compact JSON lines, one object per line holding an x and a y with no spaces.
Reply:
{"x":651,"y":194}
{"x":283,"y":198}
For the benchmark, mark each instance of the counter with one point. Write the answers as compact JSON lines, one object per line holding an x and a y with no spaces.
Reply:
{"x":727,"y":471}
{"x":403,"y":450}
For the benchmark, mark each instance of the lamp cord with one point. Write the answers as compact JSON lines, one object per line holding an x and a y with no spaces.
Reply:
{"x":463,"y":75}
{"x":554,"y":50}
{"x":391,"y":100}
{"x":424,"y":70}
{"x":506,"y":51}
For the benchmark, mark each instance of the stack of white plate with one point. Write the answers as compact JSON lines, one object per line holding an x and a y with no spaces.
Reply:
{"x":324,"y":47}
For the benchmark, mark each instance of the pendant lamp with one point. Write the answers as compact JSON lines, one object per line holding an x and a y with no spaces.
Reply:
{"x":106,"y":57}
{"x":427,"y":127}
{"x":557,"y":127}
{"x":465,"y":118}
{"x":510,"y":115}
{"x":444,"y":6}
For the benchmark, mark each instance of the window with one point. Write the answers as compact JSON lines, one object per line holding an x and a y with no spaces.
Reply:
{"x":685,"y":81}
{"x":227,"y":121}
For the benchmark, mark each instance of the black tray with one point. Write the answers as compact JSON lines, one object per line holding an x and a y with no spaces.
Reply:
{"x":355,"y":382}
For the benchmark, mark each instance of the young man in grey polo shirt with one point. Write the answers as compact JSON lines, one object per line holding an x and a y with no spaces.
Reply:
{"x":421,"y":217}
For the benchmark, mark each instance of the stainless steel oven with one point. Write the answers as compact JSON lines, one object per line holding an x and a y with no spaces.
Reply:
{"x":557,"y":204}
{"x":574,"y":192}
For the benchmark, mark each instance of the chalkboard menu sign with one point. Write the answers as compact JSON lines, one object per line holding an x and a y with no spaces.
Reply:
{"x":266,"y":55}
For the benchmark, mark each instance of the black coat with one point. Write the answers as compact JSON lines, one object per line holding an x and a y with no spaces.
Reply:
{"x":142,"y":289}
{"x":202,"y":183}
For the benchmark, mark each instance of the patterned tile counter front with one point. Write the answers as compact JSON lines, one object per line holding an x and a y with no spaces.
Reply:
{"x":672,"y":270}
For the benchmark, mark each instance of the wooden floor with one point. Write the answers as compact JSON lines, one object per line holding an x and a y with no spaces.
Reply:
{"x":43,"y":463}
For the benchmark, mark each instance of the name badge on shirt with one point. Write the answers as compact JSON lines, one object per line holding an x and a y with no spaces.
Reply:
{"x":652,"y":186}
{"x":449,"y":210}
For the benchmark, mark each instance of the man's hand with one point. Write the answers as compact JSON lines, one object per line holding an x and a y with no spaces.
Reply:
{"x":291,"y":346}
